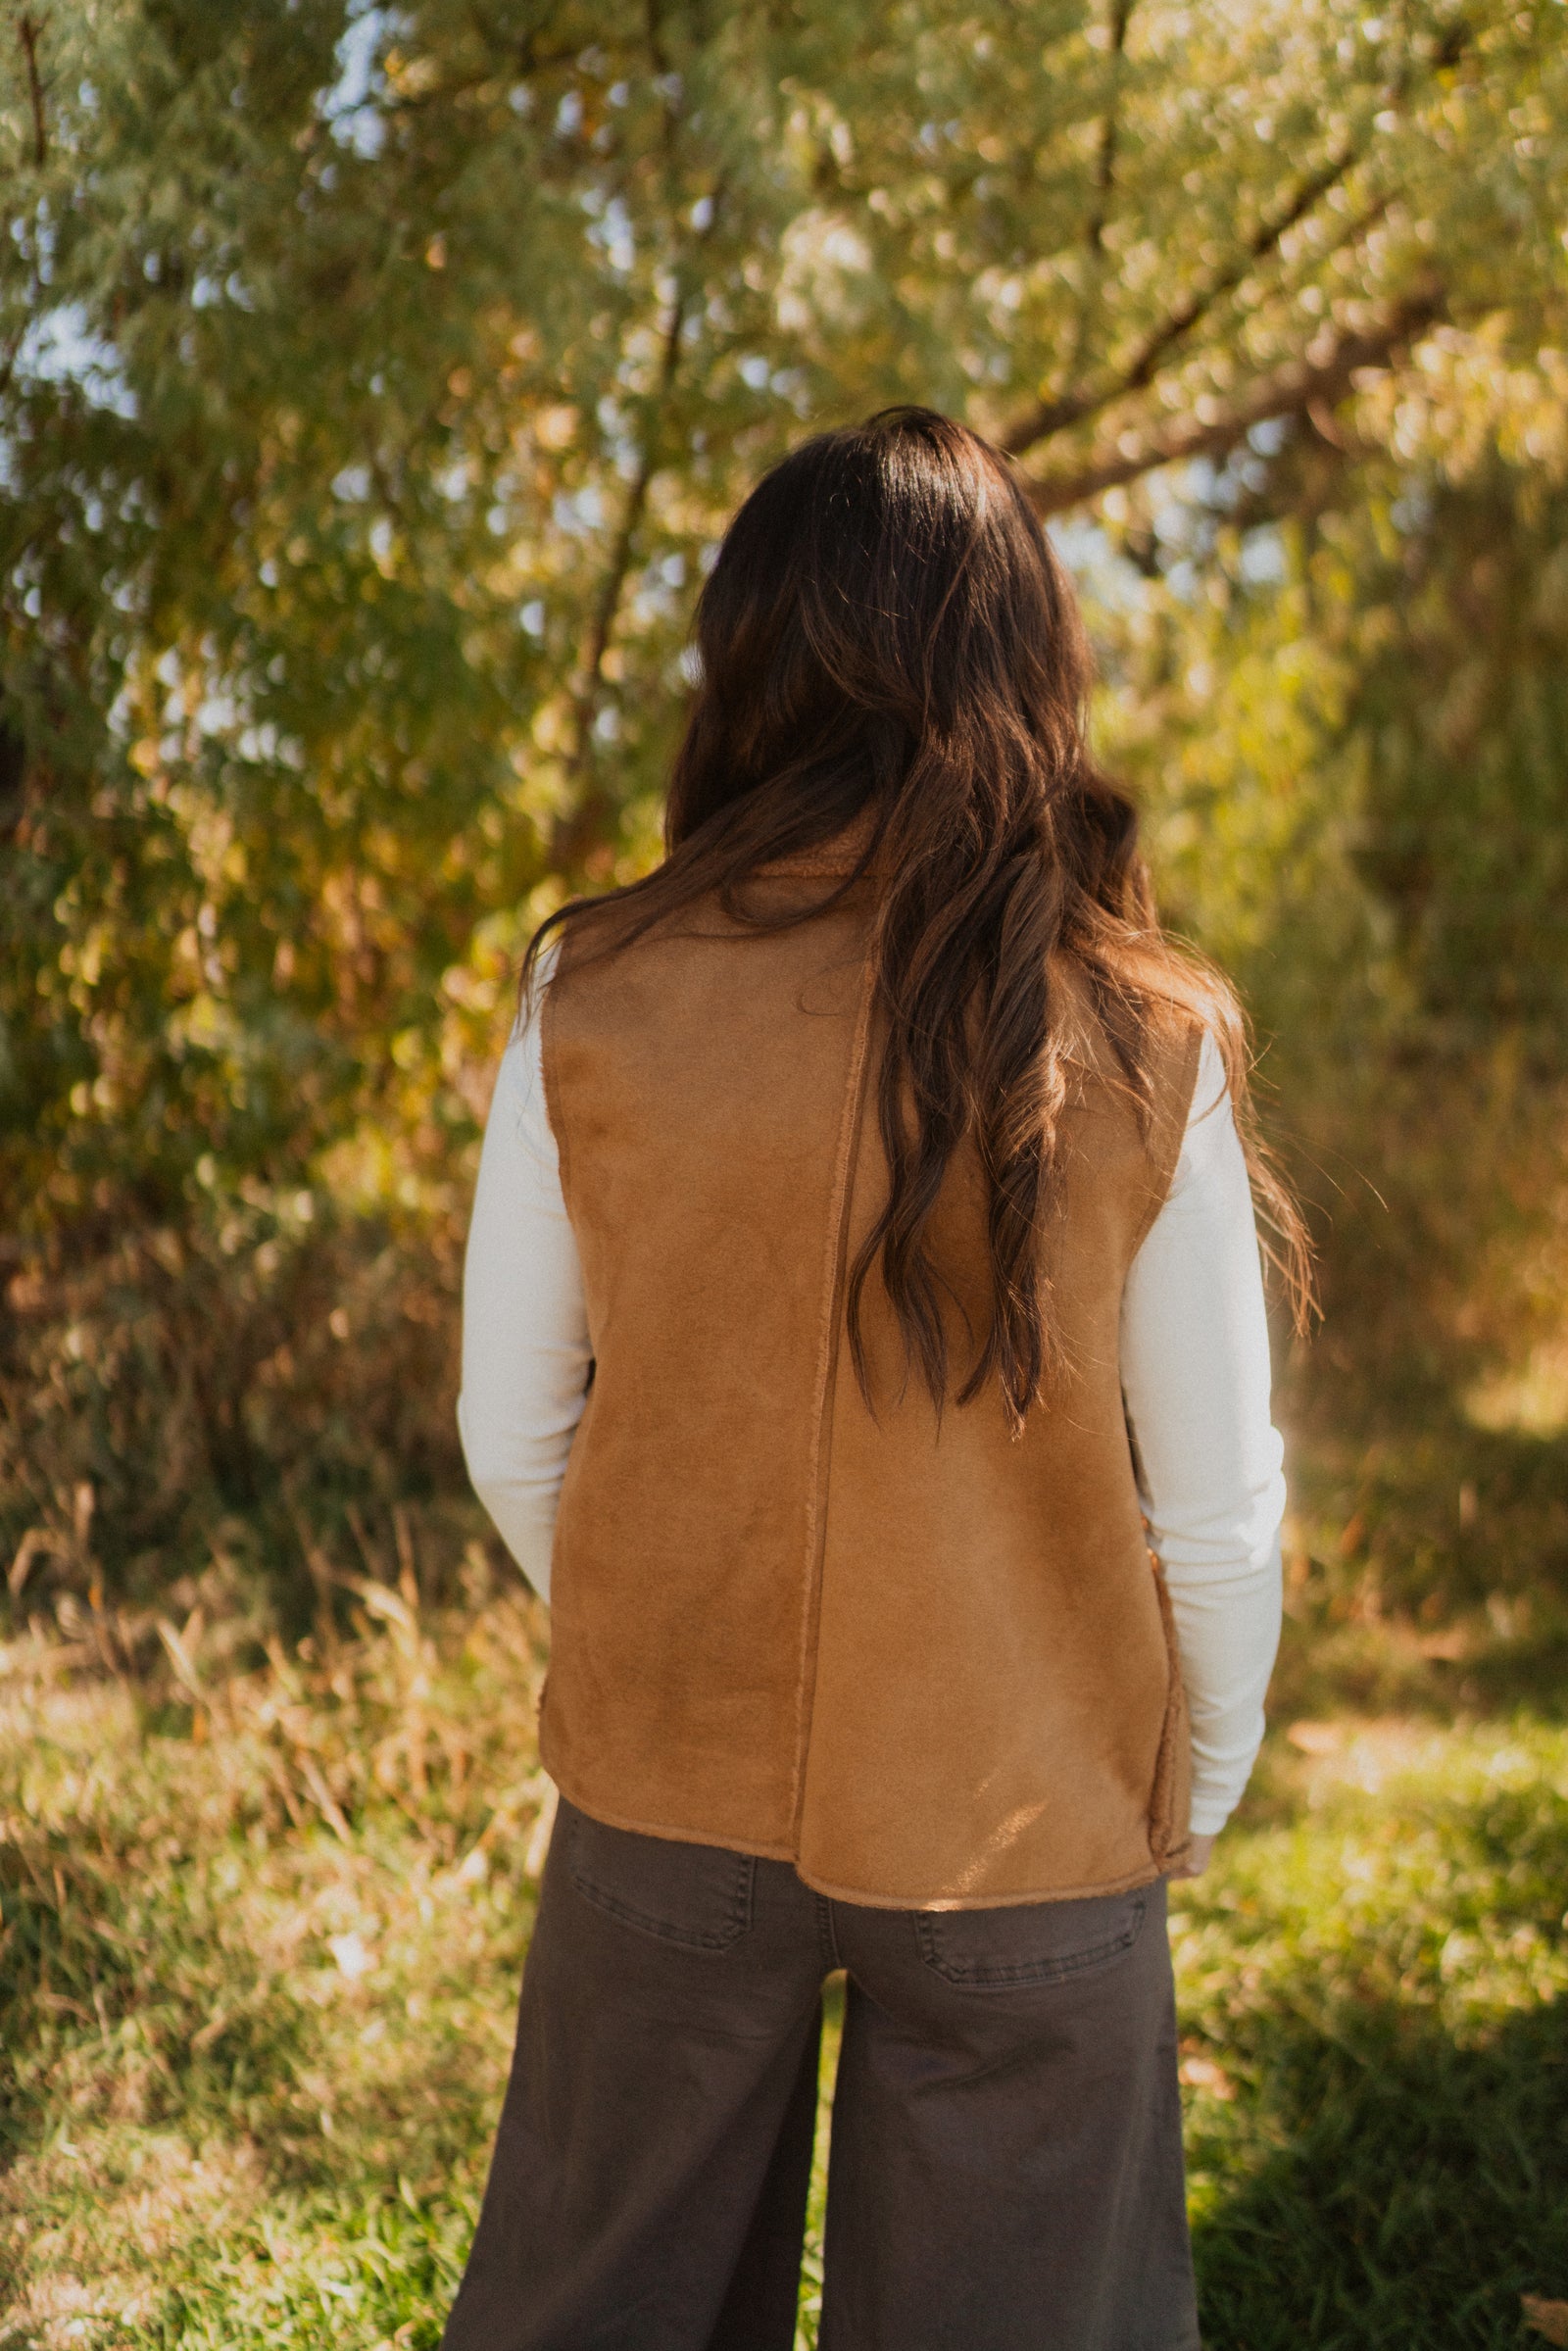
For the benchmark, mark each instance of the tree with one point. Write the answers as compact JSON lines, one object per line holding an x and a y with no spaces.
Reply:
{"x":374,"y":383}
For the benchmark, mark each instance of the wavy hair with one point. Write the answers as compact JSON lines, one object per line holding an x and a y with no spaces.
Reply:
{"x":887,"y":638}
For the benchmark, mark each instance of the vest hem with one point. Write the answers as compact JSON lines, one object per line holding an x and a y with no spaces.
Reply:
{"x":857,"y":1896}
{"x":861,"y":1899}
{"x":752,"y":1846}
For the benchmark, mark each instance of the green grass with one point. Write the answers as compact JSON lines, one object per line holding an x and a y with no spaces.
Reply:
{"x":1376,"y":2033}
{"x":265,"y":1917}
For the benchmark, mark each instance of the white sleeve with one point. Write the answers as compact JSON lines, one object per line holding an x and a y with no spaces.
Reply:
{"x":525,"y":1348}
{"x":1195,"y":1379}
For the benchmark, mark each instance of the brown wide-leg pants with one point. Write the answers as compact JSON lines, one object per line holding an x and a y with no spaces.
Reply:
{"x":1006,"y":2165}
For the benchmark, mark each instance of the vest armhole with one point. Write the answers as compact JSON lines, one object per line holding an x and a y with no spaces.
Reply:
{"x":1173,"y":1105}
{"x":547,"y":1065}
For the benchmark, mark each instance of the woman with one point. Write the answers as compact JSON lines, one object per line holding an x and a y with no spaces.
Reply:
{"x":862,"y":1277}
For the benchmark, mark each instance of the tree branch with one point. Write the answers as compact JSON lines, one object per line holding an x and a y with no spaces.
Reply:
{"x":1055,"y":416}
{"x":572,"y":833}
{"x":1296,"y":389}
{"x":1109,"y":128}
{"x":28,"y":35}
{"x":1105,"y":182}
{"x":592,"y":672}
{"x":1052,"y":417}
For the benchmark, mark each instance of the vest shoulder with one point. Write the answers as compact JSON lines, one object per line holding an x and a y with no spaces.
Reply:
{"x":1108,"y":1037}
{"x":779,"y":919}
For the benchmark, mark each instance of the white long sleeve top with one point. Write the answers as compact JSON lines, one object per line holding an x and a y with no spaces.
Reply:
{"x":1194,"y":1366}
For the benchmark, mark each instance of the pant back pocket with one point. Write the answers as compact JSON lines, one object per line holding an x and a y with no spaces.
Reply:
{"x":1036,"y":1942}
{"x":697,"y":1895}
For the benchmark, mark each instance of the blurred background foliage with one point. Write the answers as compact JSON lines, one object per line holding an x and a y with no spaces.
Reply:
{"x":374,"y":385}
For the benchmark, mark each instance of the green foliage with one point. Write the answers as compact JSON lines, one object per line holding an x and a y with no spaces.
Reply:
{"x":1353,"y":737}
{"x":380,"y":380}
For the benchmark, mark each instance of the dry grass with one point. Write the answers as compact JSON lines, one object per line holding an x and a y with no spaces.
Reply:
{"x":257,"y":1968}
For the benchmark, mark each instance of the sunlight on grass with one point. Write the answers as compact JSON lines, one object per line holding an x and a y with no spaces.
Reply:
{"x":1532,"y":1398}
{"x":259,"y":1986}
{"x":261,"y":1956}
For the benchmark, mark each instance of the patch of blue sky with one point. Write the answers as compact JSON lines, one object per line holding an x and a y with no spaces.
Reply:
{"x":1102,"y":571}
{"x":63,"y":346}
{"x":579,"y":511}
{"x":352,"y":107}
{"x":613,"y":233}
{"x":1263,"y":560}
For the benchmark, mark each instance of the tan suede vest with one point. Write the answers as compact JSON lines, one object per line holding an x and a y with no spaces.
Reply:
{"x":931,"y":1665}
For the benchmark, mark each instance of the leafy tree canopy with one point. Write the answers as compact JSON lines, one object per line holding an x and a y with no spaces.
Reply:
{"x":374,"y":383}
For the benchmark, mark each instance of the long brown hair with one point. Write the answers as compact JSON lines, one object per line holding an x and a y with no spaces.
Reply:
{"x":887,"y":636}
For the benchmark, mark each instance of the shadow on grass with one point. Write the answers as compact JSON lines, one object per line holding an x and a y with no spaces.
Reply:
{"x":1419,"y":2190}
{"x":1400,"y":1488}
{"x":1390,"y":1992}
{"x":1393,"y":1666}
{"x":1426,"y":1566}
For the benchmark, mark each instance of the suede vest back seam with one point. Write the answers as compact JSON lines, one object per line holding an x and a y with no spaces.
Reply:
{"x":821,"y":1466}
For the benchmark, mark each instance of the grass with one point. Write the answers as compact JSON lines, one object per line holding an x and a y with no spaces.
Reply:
{"x":266,"y":1903}
{"x":261,"y":1948}
{"x":1376,"y":2035}
{"x":259,"y":1960}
